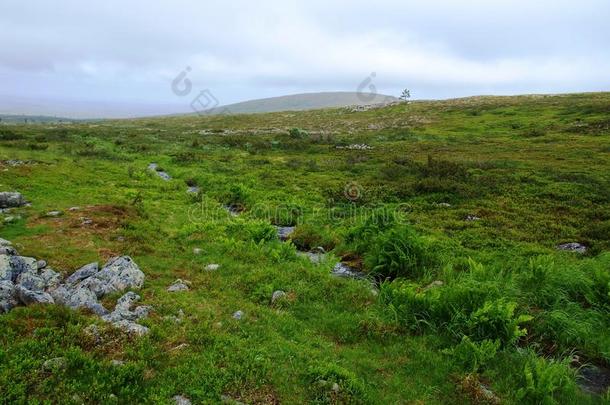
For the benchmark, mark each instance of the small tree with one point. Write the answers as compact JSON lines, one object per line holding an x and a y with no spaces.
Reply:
{"x":405,"y":95}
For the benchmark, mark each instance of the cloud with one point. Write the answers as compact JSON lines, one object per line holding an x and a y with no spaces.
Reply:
{"x":129,"y":52}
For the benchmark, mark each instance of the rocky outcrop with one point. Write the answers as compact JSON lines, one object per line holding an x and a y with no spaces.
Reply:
{"x":26,"y":281}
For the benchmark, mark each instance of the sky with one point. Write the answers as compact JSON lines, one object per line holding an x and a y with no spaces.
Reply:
{"x":116,"y":58}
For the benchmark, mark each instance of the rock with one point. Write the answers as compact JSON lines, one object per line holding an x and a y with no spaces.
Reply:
{"x":444,"y":205}
{"x":181,"y":400}
{"x":335,"y":387}
{"x":8,"y":251}
{"x":8,"y":296}
{"x":86,"y":221}
{"x":594,"y":380}
{"x":4,"y":242}
{"x":193,"y":190}
{"x":41,"y":264}
{"x":84,"y":272}
{"x":212,"y":267}
{"x":197,"y":251}
{"x":471,"y":218}
{"x":31,"y":281}
{"x":314,"y":257}
{"x":81,"y":297}
{"x":54,"y":214}
{"x":225,"y":399}
{"x":119,"y":274}
{"x":283,"y":232}
{"x":343,"y":270}
{"x":178,"y":285}
{"x":277,"y":295}
{"x":11,"y":200}
{"x":72,"y":209}
{"x":117,"y":363}
{"x":238,"y":315}
{"x":28,"y":297}
{"x":12,"y":266}
{"x":573,"y":247}
{"x":10,"y":219}
{"x":55,"y":364}
{"x":122,"y":310}
{"x":131,"y":328}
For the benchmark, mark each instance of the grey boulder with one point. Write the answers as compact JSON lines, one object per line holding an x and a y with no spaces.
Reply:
{"x":8,"y":296}
{"x":84,"y":272}
{"x":11,"y":200}
{"x":28,"y":297}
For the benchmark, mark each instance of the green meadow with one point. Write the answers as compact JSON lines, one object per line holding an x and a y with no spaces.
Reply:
{"x":453,"y":211}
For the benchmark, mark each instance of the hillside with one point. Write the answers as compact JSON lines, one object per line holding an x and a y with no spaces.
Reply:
{"x":306,"y":101}
{"x":437,"y":252}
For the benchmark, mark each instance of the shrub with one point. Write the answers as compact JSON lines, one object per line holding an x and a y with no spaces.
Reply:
{"x":474,"y":356}
{"x":399,"y":253}
{"x":297,"y":133}
{"x":408,"y":305}
{"x":307,"y":237}
{"x":8,"y":135}
{"x":496,"y":320}
{"x":546,"y":382}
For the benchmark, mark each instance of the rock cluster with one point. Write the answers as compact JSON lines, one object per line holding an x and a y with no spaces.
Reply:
{"x":26,"y":281}
{"x":573,"y":247}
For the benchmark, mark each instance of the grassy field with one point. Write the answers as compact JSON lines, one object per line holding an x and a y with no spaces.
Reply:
{"x":454,"y":208}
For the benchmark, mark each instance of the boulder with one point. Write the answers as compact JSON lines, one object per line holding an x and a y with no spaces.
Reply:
{"x":181,"y":400}
{"x":84,"y":272}
{"x":12,"y":266}
{"x":119,"y":274}
{"x":284,"y":232}
{"x":11,"y":200}
{"x":31,"y":281}
{"x":8,"y":296}
{"x":28,"y":297}
{"x":123,"y":312}
{"x":132,"y":328}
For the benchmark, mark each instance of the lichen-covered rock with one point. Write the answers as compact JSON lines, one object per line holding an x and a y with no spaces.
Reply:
{"x":28,"y":297}
{"x":122,"y":310}
{"x":178,"y":285}
{"x":84,"y":272}
{"x":51,"y":278}
{"x":132,"y":328}
{"x":8,"y":296}
{"x":12,"y":266}
{"x":11,"y":200}
{"x":119,"y":274}
{"x":31,"y":281}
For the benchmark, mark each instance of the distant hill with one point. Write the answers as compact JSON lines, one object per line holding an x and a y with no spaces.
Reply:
{"x":29,"y":119}
{"x":305,"y":101}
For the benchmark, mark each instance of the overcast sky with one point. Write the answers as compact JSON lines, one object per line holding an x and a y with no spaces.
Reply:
{"x":119,"y":58}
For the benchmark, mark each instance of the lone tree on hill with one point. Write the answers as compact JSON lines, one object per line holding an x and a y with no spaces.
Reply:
{"x":405,"y":95}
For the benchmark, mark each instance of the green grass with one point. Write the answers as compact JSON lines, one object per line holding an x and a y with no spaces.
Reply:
{"x":510,"y":313}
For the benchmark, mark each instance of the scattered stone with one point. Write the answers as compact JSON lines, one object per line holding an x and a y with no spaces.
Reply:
{"x":335,"y":387}
{"x":356,"y":146}
{"x":277,"y":295}
{"x":10,"y":219}
{"x":86,"y":221}
{"x":197,"y":251}
{"x":132,"y":328}
{"x":283,"y":232}
{"x":444,"y":205}
{"x":54,"y":214}
{"x":57,"y":363}
{"x":212,"y":267}
{"x":181,"y":400}
{"x":11,"y":200}
{"x":343,"y":270}
{"x":119,"y":274}
{"x":238,"y":315}
{"x":193,"y":190}
{"x":234,"y":209}
{"x":471,"y":218}
{"x":117,"y":363}
{"x":178,"y":285}
{"x":74,"y":209}
{"x":573,"y":247}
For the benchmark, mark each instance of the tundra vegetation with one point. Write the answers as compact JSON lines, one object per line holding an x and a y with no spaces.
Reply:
{"x":452,"y":210}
